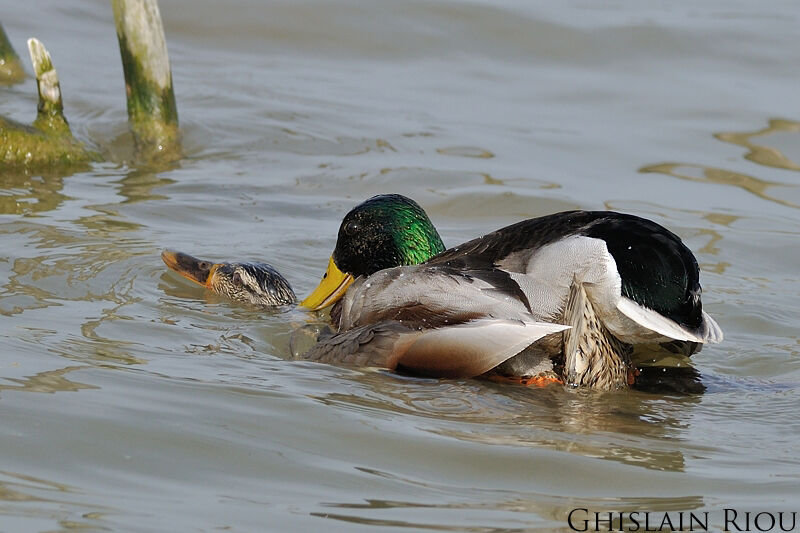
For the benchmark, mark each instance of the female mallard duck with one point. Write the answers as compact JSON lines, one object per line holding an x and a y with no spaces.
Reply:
{"x":566,"y":295}
{"x":255,"y":283}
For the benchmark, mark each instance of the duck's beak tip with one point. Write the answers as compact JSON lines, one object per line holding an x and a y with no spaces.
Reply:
{"x":332,"y":287}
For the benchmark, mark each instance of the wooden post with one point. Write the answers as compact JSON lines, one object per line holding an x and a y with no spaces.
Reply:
{"x":152,"y":112}
{"x":10,"y":67}
{"x":49,"y":144}
{"x":50,"y":115}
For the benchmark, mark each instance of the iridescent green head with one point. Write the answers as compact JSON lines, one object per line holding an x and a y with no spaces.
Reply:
{"x":383,"y":232}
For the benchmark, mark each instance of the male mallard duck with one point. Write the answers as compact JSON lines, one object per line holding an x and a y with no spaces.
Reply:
{"x":566,"y":295}
{"x":255,"y":283}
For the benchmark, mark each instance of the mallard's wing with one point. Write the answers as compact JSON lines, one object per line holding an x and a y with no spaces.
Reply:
{"x":434,"y":321}
{"x":641,"y":278}
{"x":422,"y":297}
{"x":465,"y":350}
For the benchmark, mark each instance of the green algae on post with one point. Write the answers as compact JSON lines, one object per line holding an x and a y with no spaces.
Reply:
{"x":152,"y":111}
{"x":26,"y":148}
{"x":48,"y":143}
{"x":10,"y":66}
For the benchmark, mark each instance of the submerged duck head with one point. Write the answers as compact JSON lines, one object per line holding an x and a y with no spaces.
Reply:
{"x":255,"y":283}
{"x":385,"y":231}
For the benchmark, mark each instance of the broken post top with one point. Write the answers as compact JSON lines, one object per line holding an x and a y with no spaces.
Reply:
{"x":51,"y":107}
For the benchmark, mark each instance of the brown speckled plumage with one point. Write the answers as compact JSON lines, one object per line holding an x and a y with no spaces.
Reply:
{"x":592,"y":356}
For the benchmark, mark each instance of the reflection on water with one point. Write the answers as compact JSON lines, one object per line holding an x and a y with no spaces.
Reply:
{"x":52,"y":501}
{"x":140,"y":185}
{"x":26,"y":194}
{"x":303,"y":143}
{"x":575,"y":425}
{"x":13,"y":486}
{"x":49,"y":381}
{"x":481,"y":509}
{"x":439,"y":182}
{"x":466,"y":151}
{"x":550,"y":417}
{"x":762,"y":153}
{"x":23,"y":194}
{"x":54,"y":269}
{"x":715,"y":237}
{"x":703,"y":174}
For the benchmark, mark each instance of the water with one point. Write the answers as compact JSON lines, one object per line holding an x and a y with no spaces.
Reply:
{"x":132,"y":401}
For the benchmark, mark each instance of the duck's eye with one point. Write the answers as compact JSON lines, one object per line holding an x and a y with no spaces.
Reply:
{"x":204,"y":265}
{"x":351,"y":227}
{"x":236,"y":278}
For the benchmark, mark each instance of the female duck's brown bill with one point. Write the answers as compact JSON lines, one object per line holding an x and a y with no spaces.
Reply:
{"x":189,"y":267}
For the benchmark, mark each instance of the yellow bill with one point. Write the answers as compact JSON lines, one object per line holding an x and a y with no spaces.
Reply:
{"x":332,"y":287}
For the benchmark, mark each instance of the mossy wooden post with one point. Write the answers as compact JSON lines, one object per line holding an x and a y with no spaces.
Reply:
{"x":48,"y":143}
{"x":10,"y":67}
{"x":50,"y":111}
{"x":152,"y":112}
